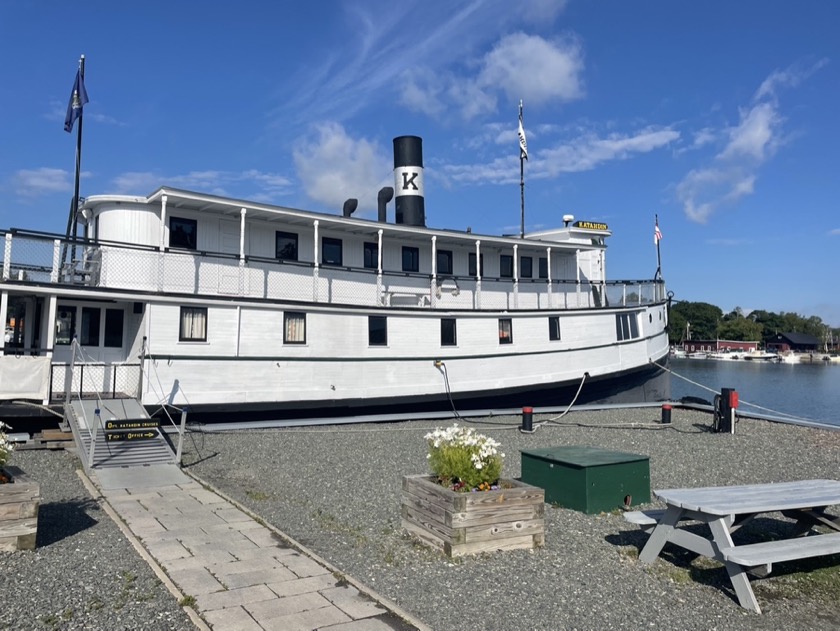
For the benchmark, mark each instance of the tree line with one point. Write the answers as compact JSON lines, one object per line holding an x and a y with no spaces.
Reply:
{"x":704,"y":321}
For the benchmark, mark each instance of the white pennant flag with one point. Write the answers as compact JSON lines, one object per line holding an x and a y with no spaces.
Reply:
{"x":523,"y":144}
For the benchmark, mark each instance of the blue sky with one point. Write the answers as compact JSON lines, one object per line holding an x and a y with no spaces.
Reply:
{"x":721,"y":117}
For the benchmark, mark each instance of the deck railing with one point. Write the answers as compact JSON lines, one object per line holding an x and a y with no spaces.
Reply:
{"x":112,"y":381}
{"x":42,"y":258}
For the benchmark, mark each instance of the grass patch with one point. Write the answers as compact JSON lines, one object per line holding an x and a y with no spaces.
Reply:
{"x":187,"y":601}
{"x":333,"y":524}
{"x":257,"y":496}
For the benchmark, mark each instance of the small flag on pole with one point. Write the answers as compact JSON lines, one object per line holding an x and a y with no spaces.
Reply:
{"x":657,"y":234}
{"x":523,"y":144}
{"x":78,"y":98}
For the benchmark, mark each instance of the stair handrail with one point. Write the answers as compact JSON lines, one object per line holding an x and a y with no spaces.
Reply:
{"x":165,"y":402}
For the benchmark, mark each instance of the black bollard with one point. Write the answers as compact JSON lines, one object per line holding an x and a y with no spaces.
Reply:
{"x":527,"y":419}
{"x":666,"y":413}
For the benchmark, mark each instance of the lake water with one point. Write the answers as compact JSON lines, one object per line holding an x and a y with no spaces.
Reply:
{"x":806,"y":391}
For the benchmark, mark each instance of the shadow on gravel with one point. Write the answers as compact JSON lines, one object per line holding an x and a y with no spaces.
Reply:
{"x":677,"y":565}
{"x":59,"y":520}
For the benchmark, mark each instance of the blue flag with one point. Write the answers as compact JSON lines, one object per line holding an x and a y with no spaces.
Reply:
{"x":78,"y":98}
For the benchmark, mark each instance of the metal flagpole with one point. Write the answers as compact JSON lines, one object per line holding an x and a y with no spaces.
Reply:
{"x":523,"y":155}
{"x":79,"y":158}
{"x":657,"y":236}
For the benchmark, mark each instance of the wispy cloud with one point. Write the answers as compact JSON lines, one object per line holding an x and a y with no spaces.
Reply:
{"x":251,"y":184}
{"x":33,"y":183}
{"x":835,"y":232}
{"x":733,"y":172}
{"x":582,"y":153}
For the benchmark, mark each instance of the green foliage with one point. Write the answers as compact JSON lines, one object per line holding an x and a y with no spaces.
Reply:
{"x":455,"y":462}
{"x":707,"y":322}
{"x":459,"y":453}
{"x":702,"y":317}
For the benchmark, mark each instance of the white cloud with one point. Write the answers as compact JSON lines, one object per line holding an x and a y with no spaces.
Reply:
{"x":542,"y":12}
{"x":532,"y":68}
{"x":835,"y":232}
{"x":587,"y":152}
{"x":787,"y":78}
{"x":333,"y":167}
{"x":583,"y":153}
{"x":754,"y":140}
{"x":702,"y":191}
{"x":757,"y":134}
{"x":520,"y":66}
{"x":421,"y":92}
{"x":32,"y":183}
{"x":251,"y":184}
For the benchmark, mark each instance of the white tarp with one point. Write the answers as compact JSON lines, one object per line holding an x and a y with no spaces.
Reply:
{"x":24,"y":377}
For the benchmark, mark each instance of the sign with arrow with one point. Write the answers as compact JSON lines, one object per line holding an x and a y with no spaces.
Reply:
{"x":121,"y":436}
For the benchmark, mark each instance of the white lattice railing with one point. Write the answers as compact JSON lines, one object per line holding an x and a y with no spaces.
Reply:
{"x":46,"y":259}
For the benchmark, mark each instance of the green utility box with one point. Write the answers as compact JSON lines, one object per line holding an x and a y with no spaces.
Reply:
{"x":587,"y":479}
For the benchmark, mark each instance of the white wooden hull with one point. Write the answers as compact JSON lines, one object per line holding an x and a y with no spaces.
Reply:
{"x":536,"y":323}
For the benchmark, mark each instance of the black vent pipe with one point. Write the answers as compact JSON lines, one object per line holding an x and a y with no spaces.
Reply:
{"x":350,"y":206}
{"x":385,"y":195}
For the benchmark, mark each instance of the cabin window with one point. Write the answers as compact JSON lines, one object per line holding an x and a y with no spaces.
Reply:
{"x":65,"y":325}
{"x":371,"y":254}
{"x":90,"y":326}
{"x":377,"y":331}
{"x":471,"y":268}
{"x":526,"y":267}
{"x":193,"y":324}
{"x":294,"y":328}
{"x":331,"y":251}
{"x":506,"y":266}
{"x":505,"y":331}
{"x":626,"y":326}
{"x":448,"y":332}
{"x":543,"y":267}
{"x":553,"y":328}
{"x":286,"y":246}
{"x":410,"y":259}
{"x":114,"y":319}
{"x":444,"y":262}
{"x":183,"y":233}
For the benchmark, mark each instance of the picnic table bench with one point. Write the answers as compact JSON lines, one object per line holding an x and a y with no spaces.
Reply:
{"x":726,"y":508}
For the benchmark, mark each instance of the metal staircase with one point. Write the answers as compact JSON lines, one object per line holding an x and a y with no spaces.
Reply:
{"x":120,"y":444}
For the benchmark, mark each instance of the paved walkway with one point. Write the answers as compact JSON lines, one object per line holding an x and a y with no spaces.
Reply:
{"x":240,"y":573}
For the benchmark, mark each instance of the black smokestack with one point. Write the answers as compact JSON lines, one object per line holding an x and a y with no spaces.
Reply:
{"x":350,"y":206}
{"x":386,"y":194}
{"x":408,"y":180}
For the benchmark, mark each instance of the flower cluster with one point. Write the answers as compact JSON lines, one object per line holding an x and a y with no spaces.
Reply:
{"x":464,"y":459}
{"x":5,"y":445}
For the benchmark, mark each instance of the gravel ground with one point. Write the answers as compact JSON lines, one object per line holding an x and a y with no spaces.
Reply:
{"x":84,"y":573}
{"x":337,"y":490}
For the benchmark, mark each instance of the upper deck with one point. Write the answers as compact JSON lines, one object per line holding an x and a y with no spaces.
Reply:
{"x":178,"y":242}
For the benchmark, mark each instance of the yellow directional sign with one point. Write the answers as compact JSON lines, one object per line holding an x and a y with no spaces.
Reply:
{"x":120,"y":436}
{"x":131,"y":423}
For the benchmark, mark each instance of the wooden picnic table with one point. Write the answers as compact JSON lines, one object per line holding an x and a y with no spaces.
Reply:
{"x":726,"y":508}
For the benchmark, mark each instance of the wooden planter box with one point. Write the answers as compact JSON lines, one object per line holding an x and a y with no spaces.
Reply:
{"x":19,"y":503}
{"x":469,"y":523}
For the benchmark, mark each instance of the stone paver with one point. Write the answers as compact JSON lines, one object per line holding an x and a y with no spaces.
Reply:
{"x":242,"y":575}
{"x":233,"y":618}
{"x":306,"y":620}
{"x":351,"y":602}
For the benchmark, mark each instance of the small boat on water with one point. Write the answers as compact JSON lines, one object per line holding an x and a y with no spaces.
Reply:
{"x":241,"y":310}
{"x":726,"y":355}
{"x":760,"y":356}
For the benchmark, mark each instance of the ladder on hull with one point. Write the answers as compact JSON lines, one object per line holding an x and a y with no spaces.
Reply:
{"x":120,"y":444}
